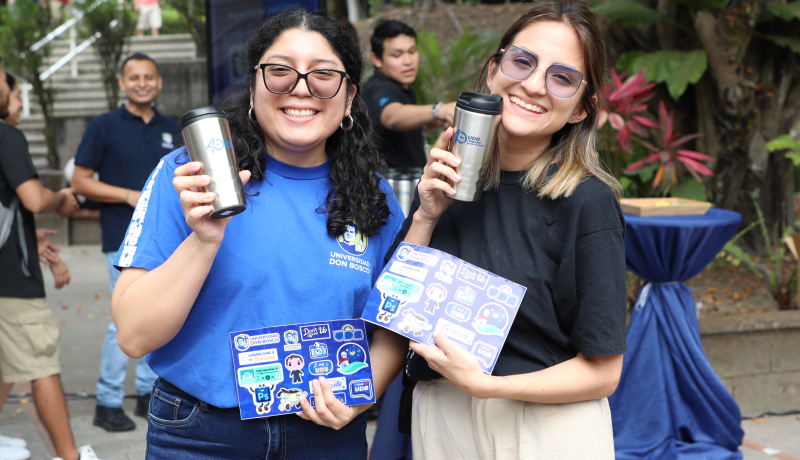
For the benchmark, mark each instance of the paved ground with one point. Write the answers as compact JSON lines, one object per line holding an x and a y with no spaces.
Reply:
{"x":84,"y":307}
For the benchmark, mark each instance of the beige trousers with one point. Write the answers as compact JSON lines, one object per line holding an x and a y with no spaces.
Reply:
{"x":448,"y":424}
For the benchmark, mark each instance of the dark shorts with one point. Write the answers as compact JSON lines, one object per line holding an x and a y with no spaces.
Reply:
{"x":183,"y":427}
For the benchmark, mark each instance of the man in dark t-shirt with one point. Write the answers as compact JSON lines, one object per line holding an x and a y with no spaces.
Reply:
{"x":29,"y":343}
{"x":391,"y":99}
{"x":123,"y":146}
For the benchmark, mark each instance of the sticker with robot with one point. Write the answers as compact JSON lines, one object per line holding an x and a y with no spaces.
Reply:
{"x":423,"y":290}
{"x":275,"y":367}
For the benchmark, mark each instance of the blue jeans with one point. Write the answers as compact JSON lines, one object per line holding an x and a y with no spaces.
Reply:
{"x":114,"y":363}
{"x":182,"y":427}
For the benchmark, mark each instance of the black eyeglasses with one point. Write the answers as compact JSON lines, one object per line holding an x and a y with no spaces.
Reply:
{"x":560,"y":80}
{"x":282,"y":79}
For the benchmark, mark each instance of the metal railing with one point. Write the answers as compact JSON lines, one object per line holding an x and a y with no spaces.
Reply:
{"x":74,"y":50}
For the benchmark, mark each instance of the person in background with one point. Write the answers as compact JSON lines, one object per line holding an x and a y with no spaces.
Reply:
{"x":123,"y":146}
{"x":149,"y":17}
{"x":48,"y":252}
{"x":29,"y":339}
{"x":392,"y":101}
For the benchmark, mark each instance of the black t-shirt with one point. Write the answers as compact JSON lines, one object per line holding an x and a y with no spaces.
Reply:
{"x":568,"y":252}
{"x":16,"y":167}
{"x":124,"y":151}
{"x":403,"y":149}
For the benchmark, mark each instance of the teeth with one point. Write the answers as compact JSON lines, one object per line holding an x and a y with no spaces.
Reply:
{"x":299,"y":113}
{"x":531,"y":107}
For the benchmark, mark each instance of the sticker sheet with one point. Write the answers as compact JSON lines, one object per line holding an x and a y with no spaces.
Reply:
{"x":275,"y":366}
{"x":423,"y":290}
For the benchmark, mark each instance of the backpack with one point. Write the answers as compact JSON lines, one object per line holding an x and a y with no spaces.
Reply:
{"x":7,"y":217}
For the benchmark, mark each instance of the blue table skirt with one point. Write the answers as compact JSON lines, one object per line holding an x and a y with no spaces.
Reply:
{"x":669,"y":403}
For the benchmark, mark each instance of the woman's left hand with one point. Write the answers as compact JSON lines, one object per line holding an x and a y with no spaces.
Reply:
{"x":330,"y":411}
{"x":456,"y":364}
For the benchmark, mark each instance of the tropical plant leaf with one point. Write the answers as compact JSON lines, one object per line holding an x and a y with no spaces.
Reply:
{"x":675,"y":68}
{"x":710,"y":5}
{"x":627,"y":59}
{"x":792,"y":43}
{"x":689,"y":70}
{"x":632,"y":14}
{"x":785,"y":11}
{"x":689,"y":189}
{"x":794,"y":156}
{"x":783,"y":142}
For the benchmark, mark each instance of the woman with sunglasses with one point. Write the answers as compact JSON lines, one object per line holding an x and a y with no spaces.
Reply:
{"x":305,"y":148}
{"x":549,"y":219}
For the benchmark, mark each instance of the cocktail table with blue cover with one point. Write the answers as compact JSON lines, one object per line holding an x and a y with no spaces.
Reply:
{"x":669,"y":403}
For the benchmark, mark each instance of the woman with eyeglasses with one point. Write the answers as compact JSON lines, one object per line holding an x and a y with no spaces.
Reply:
{"x":315,"y":197}
{"x":549,"y":219}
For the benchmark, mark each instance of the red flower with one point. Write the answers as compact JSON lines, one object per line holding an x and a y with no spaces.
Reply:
{"x":669,"y":156}
{"x":622,"y":100}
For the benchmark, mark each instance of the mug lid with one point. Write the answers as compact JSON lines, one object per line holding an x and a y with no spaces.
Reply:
{"x":488,"y":104}
{"x":205,"y":112}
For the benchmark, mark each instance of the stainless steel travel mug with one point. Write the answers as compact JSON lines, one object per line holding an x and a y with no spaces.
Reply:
{"x":208,"y":140}
{"x":405,"y":195}
{"x":474,"y":124}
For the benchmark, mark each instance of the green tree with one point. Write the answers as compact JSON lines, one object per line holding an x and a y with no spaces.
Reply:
{"x":193,"y":18}
{"x":444,"y":74}
{"x":22,"y":26}
{"x":111,"y":23}
{"x":728,"y":69}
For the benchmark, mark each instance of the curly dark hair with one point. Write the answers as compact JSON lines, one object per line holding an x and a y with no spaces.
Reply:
{"x":355,"y":195}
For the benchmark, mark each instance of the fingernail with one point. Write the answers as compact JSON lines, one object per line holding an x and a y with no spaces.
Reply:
{"x":452,"y":191}
{"x":322,"y":379}
{"x":208,"y":196}
{"x":457,"y":176}
{"x":457,"y":161}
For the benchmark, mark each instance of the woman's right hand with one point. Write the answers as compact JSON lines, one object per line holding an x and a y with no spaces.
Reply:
{"x":432,"y":186}
{"x":197,"y":204}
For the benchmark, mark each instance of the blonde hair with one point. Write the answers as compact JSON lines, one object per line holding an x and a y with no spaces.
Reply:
{"x":573,"y":146}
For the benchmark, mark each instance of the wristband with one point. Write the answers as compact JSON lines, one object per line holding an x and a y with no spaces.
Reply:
{"x":436,"y":109}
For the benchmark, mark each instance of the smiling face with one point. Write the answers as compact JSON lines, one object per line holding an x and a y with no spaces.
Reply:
{"x":140,"y":81}
{"x":529,"y":111}
{"x":299,"y":122}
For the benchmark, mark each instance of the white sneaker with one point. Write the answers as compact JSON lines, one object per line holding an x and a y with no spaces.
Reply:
{"x":14,"y":453}
{"x":86,"y":453}
{"x":12,"y":442}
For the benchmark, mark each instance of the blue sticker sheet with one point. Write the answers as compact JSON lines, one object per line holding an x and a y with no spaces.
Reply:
{"x":422,"y":290}
{"x":275,"y":366}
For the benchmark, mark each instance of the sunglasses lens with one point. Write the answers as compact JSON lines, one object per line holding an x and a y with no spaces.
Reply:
{"x":563,"y":81}
{"x":517,"y":63}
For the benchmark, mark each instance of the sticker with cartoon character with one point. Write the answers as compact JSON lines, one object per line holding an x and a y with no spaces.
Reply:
{"x":262,"y":397}
{"x":492,"y":319}
{"x":396,"y":291}
{"x":294,"y":364}
{"x":290,"y":397}
{"x":352,"y":358}
{"x":414,"y":323}
{"x":436,"y":293}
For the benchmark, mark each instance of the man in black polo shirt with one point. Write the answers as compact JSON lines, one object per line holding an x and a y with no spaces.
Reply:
{"x":391,"y":98}
{"x":123,"y":146}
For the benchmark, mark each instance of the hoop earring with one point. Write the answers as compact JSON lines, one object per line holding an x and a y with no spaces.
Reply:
{"x":250,"y":115}
{"x":350,"y":126}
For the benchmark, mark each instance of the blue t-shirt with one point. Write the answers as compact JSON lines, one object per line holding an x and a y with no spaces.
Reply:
{"x":276,"y":265}
{"x":124,"y":150}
